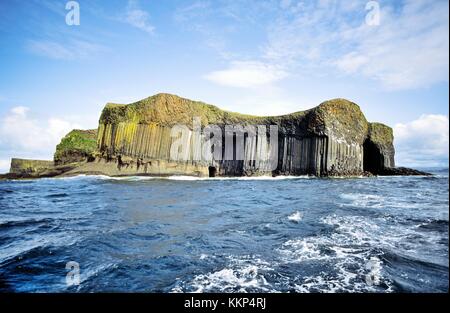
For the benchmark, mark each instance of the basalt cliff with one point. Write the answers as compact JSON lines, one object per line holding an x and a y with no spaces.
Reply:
{"x":332,"y":139}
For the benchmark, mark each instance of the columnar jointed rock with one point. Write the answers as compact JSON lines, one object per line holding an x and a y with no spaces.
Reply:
{"x":379,"y":149}
{"x":327,"y":140}
{"x":331,"y":139}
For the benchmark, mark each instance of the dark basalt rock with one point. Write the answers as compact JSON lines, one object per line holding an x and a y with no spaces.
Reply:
{"x":332,"y":139}
{"x":402,"y":171}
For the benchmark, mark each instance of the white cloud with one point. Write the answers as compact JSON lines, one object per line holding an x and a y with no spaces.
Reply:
{"x":19,"y":111}
{"x":192,"y":12}
{"x":138,"y":18}
{"x":247,"y":74}
{"x":352,"y":62}
{"x":69,"y":50}
{"x":423,"y":142}
{"x":20,"y":133}
{"x":266,"y":102}
{"x":4,"y":165}
{"x":409,"y":49}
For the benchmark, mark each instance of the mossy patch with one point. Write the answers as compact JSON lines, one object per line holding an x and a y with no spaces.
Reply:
{"x":168,"y":110}
{"x":339,"y":118}
{"x":381,"y":135}
{"x":80,"y":143}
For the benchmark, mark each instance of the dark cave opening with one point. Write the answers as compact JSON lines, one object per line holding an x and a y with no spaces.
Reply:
{"x":373,"y":158}
{"x":212,"y":171}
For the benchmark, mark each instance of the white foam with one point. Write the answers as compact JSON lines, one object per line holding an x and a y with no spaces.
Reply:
{"x":193,"y":178}
{"x":347,"y":270}
{"x":347,"y":177}
{"x":175,"y":177}
{"x":242,"y":274}
{"x":374,"y":268}
{"x":228,"y":278}
{"x":295,"y":217}
{"x":103,"y":177}
{"x":299,"y":250}
{"x":376,"y":201}
{"x":350,"y":264}
{"x":363,"y":200}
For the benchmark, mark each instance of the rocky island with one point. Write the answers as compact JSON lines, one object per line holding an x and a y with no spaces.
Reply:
{"x":332,"y":139}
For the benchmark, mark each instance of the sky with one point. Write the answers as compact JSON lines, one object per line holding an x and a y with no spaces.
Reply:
{"x":262,"y":57}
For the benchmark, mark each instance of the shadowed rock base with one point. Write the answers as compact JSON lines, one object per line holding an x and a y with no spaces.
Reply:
{"x":402,"y":171}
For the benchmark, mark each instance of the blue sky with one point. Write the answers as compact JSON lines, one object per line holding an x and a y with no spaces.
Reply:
{"x":253,"y":56}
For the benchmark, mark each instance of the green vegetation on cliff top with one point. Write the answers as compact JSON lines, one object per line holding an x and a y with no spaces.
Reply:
{"x":381,"y":134}
{"x":77,"y":141}
{"x":167,"y":109}
{"x":339,"y":118}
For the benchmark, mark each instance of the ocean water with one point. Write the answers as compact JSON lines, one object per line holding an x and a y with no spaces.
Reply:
{"x":180,"y":234}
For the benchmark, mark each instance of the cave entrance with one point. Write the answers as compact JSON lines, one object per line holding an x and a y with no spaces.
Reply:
{"x":373,"y":158}
{"x":212,"y":171}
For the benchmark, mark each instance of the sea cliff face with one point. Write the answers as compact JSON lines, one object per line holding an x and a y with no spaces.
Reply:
{"x":23,"y":167}
{"x":77,"y":146}
{"x":332,"y":139}
{"x":326,"y":140}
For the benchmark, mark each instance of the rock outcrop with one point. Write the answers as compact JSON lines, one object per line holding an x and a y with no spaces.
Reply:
{"x":332,"y":139}
{"x":379,"y":149}
{"x":76,"y":146}
{"x":24,"y":168}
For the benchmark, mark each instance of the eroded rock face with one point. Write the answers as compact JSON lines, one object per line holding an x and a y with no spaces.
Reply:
{"x":25,"y":168}
{"x":77,"y":146}
{"x":379,"y":149}
{"x":332,"y":139}
{"x":326,"y":140}
{"x":29,"y":167}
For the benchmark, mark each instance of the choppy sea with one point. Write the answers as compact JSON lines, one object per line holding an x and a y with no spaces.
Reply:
{"x":181,"y":234}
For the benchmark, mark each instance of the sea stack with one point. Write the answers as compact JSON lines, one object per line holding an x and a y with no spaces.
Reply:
{"x":332,"y":139}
